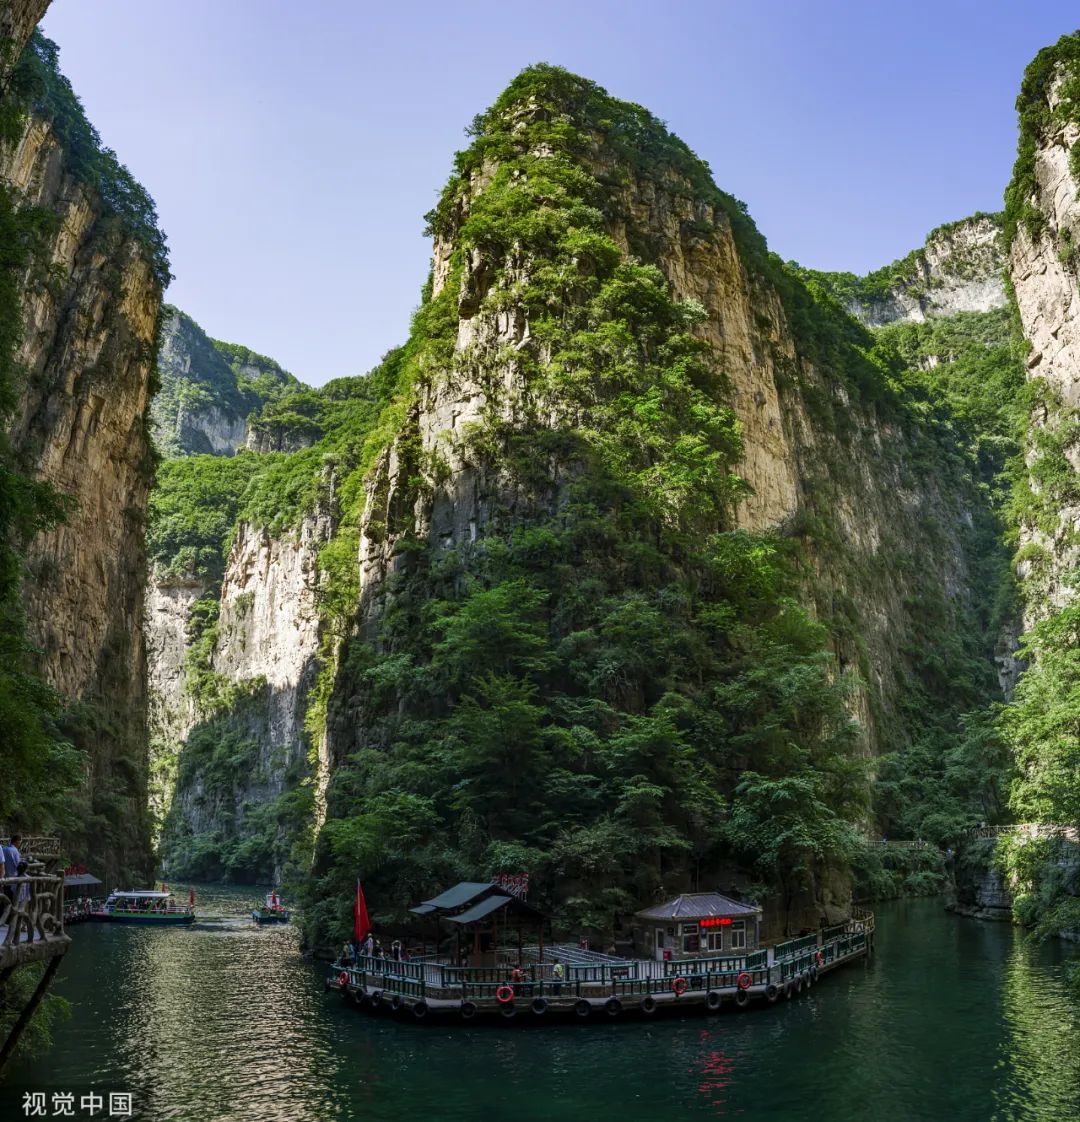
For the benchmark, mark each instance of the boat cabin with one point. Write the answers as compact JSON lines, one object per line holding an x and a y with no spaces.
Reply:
{"x":697,"y":923}
{"x":487,"y":921}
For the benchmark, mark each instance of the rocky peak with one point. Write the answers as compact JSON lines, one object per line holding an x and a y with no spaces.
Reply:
{"x":960,"y":268}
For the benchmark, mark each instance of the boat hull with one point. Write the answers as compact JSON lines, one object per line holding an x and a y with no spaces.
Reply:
{"x":261,"y":919}
{"x":130,"y":917}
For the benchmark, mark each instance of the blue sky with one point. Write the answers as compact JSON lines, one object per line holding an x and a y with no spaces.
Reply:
{"x":293,"y":146}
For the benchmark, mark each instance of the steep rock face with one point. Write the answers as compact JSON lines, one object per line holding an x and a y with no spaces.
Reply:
{"x":171,"y":707}
{"x":18,"y":18}
{"x":1044,"y":270}
{"x":798,"y":467}
{"x":90,"y":307}
{"x":881,"y":538}
{"x":959,"y":269}
{"x":209,"y":390}
{"x":263,"y":664}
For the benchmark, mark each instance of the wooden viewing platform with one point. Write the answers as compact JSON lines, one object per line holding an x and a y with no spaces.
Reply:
{"x":31,"y":928}
{"x":606,"y":986}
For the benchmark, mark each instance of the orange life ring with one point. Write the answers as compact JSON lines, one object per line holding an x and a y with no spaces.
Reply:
{"x":678,"y":987}
{"x":820,"y":959}
{"x":504,"y":995}
{"x":744,"y":981}
{"x":343,"y":979}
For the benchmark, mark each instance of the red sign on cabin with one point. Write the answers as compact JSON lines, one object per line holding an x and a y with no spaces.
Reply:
{"x":517,"y":884}
{"x":716,"y":921}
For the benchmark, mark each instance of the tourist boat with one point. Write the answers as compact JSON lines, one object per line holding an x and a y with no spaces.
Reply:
{"x":273,"y":911}
{"x":699,"y":952}
{"x":145,"y":905}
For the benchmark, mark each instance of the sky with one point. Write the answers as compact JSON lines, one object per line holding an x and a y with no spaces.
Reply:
{"x":293,"y":146}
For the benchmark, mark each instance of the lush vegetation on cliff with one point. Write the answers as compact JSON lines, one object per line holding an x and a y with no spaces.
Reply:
{"x":1059,"y":63}
{"x":606,"y":684}
{"x":39,"y":757}
{"x":609,"y":688}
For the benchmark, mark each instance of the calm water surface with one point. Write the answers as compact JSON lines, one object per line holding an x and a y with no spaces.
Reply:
{"x":953,"y":1020}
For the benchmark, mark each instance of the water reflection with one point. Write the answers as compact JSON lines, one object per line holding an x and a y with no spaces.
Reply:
{"x":1041,"y":1047}
{"x":953,"y":1020}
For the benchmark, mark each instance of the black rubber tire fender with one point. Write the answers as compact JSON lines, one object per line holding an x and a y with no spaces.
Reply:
{"x":420,"y":1010}
{"x":613,"y":1006}
{"x":468,"y":1010}
{"x":772,"y":992}
{"x":742,"y":999}
{"x":582,"y":1010}
{"x":648,"y":1005}
{"x":539,"y":1005}
{"x":713,"y":1000}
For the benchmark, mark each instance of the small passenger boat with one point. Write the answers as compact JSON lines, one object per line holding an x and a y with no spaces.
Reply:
{"x":145,"y":905}
{"x":273,"y":911}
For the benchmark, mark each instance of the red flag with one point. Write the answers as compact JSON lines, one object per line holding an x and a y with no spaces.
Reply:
{"x":273,"y":897}
{"x":191,"y":897}
{"x":163,"y":888}
{"x":361,"y":923}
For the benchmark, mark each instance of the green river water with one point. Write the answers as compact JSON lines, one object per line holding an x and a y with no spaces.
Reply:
{"x":951,"y":1020}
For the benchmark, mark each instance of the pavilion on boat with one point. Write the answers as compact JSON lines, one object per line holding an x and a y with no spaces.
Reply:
{"x":489,"y":921}
{"x":697,"y":923}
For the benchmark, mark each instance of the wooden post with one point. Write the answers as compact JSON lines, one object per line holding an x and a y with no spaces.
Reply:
{"x":30,"y":1009}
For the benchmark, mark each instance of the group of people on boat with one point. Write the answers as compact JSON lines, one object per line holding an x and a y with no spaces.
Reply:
{"x":371,"y":947}
{"x":520,"y":985}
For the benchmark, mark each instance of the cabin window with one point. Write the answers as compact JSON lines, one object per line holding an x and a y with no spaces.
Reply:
{"x":689,"y":929}
{"x":716,"y":940}
{"x":691,"y":944}
{"x":738,"y":936}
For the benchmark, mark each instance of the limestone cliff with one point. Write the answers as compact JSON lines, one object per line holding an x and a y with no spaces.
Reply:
{"x":959,"y":269}
{"x":1044,"y":264}
{"x":835,"y":466}
{"x":89,"y":308}
{"x":18,"y":18}
{"x":876,"y":534}
{"x":209,"y":390}
{"x":230,"y":734}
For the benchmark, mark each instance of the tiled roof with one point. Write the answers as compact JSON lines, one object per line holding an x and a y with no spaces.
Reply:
{"x":698,"y":905}
{"x":456,"y":897}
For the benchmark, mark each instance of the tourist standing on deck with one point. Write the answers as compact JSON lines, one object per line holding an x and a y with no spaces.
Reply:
{"x":557,"y":977}
{"x":369,"y":944}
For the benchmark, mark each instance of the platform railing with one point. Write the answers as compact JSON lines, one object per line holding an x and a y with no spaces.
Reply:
{"x":31,"y":918}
